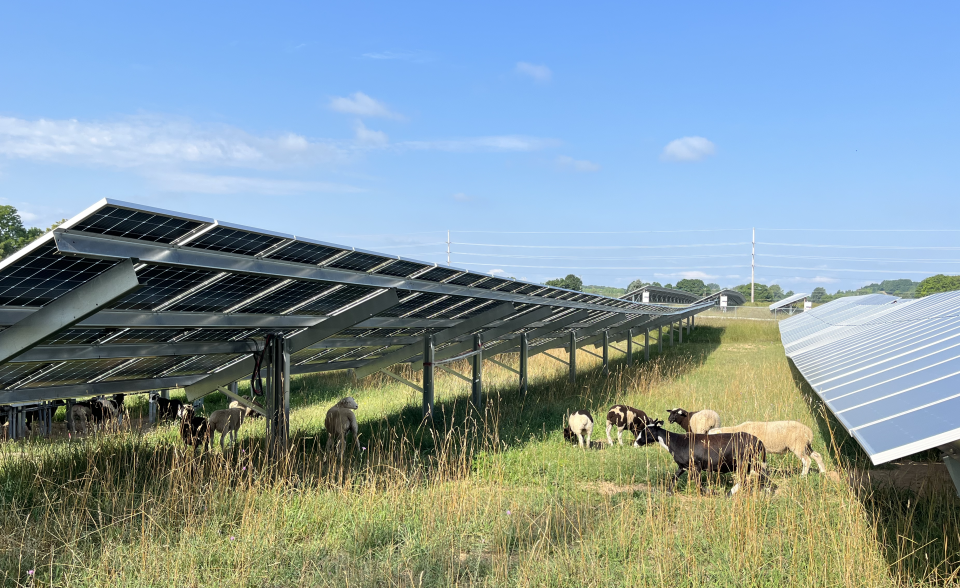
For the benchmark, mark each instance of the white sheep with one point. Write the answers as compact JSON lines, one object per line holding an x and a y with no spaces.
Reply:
{"x":580,"y":424}
{"x":225,"y":421}
{"x":248,"y":412}
{"x":698,"y":422}
{"x":339,"y":422}
{"x":82,"y":414}
{"x":781,"y":437}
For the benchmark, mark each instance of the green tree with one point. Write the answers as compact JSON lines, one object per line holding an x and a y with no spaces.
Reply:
{"x":657,"y":284}
{"x":712,"y":287}
{"x":938,"y":283}
{"x":695,"y":286}
{"x":636,"y":285}
{"x":818,"y":294}
{"x":13,"y":235}
{"x":571,"y":282}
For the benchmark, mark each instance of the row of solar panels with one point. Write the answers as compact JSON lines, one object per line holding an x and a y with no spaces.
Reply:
{"x":888,"y":369}
{"x":180,"y":300}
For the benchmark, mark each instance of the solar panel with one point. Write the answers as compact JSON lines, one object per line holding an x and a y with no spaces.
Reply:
{"x":44,"y":276}
{"x":305,"y":252}
{"x":438,"y":274}
{"x":788,"y":301}
{"x":357,"y":261}
{"x":160,"y":284}
{"x":222,"y":294}
{"x":888,"y":369}
{"x":136,"y":224}
{"x":401,"y":268}
{"x":230,"y":240}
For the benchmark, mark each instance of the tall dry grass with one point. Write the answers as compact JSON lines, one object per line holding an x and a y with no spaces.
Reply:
{"x":485,"y":497}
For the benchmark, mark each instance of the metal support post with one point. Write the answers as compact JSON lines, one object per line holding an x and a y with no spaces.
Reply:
{"x":606,"y":353}
{"x":71,"y":426}
{"x":277,"y":394}
{"x":670,"y":330}
{"x":646,"y":345}
{"x":152,"y":408}
{"x":234,"y":387}
{"x":428,"y":352}
{"x":680,"y":331}
{"x":953,"y":467}
{"x":524,"y":355}
{"x":660,"y":339}
{"x":693,"y":323}
{"x":630,"y":347}
{"x":477,"y":389}
{"x":573,"y":357}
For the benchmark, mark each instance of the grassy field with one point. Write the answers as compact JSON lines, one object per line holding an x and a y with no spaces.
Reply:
{"x":492,"y":497}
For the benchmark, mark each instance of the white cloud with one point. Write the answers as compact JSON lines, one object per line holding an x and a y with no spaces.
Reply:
{"x":688,"y":149}
{"x":461,"y":197}
{"x":147,"y":140}
{"x":580,"y":165}
{"x":823,"y":280}
{"x":539,"y":73}
{"x":414,"y":56}
{"x":370,"y":138}
{"x":362,"y":105}
{"x":497,"y":272}
{"x":494,"y":143}
{"x":216,"y":184}
{"x":691,"y":275}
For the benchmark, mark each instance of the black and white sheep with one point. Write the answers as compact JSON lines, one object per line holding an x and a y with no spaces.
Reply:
{"x":580,"y":425}
{"x":340,"y":422}
{"x":740,"y":453}
{"x":625,"y":417}
{"x":698,"y":422}
{"x":167,"y":408}
{"x":782,"y":437}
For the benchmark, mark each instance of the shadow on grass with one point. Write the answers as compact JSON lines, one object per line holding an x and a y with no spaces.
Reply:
{"x":918,"y":532}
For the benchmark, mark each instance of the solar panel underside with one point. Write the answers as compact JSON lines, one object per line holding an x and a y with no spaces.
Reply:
{"x":788,"y":301}
{"x":888,"y":369}
{"x":257,"y":277}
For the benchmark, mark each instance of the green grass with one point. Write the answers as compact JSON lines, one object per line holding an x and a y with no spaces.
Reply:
{"x":492,"y":497}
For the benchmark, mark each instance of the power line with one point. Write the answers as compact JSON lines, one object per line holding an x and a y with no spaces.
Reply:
{"x":866,"y":271}
{"x":601,"y":246}
{"x":866,"y":259}
{"x":600,"y":232}
{"x":895,"y":247}
{"x":598,"y":258}
{"x":870,"y":230}
{"x":591,"y":267}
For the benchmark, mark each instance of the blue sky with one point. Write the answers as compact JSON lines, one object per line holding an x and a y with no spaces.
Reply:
{"x":382,"y":125}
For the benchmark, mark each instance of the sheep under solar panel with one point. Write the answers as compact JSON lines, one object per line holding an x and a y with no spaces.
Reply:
{"x":400,"y":268}
{"x":160,"y":284}
{"x":357,"y":261}
{"x":223,"y":294}
{"x":42,"y":276}
{"x":231,"y":240}
{"x":135,"y":224}
{"x":305,"y":252}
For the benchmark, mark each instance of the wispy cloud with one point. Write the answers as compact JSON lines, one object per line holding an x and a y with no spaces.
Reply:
{"x":360,"y":104}
{"x":493,"y":143}
{"x":370,"y":138}
{"x":580,"y":165}
{"x":688,"y":149}
{"x":823,"y":280}
{"x":414,"y":56}
{"x":219,"y":184}
{"x":539,"y":73}
{"x":691,"y":275}
{"x":496,"y":272}
{"x":146,"y":140}
{"x":461,"y":197}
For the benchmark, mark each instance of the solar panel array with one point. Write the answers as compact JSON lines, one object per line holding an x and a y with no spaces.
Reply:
{"x":209,"y":291}
{"x":888,"y":369}
{"x":788,"y":301}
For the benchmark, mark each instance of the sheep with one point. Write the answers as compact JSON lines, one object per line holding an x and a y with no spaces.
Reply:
{"x":781,"y":437}
{"x":720,"y":453}
{"x":581,"y":425}
{"x":167,"y":408}
{"x":698,"y":422}
{"x":225,"y":421}
{"x":193,"y":429}
{"x":623,"y":417}
{"x":248,"y":411}
{"x":82,"y":414}
{"x":340,"y":421}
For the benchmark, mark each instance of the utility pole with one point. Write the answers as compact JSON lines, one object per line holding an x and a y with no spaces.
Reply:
{"x":753,"y":258}
{"x":448,"y":247}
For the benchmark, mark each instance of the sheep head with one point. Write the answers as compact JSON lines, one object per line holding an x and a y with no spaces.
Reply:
{"x":348,"y":402}
{"x":676,"y":414}
{"x":185,"y":411}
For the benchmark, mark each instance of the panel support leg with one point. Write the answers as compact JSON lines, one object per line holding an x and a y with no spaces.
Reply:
{"x":630,"y":347}
{"x":606,"y":353}
{"x":277,"y":393}
{"x":428,"y":353}
{"x":477,"y":389}
{"x":524,"y":356}
{"x":646,"y":345}
{"x":670,"y":330}
{"x":680,"y":331}
{"x":660,"y":339}
{"x":71,"y":426}
{"x":573,"y":357}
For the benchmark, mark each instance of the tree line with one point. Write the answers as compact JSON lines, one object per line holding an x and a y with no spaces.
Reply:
{"x":13,"y":235}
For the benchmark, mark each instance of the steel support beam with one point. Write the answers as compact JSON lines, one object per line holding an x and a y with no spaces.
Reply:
{"x":573,"y":357}
{"x":548,"y":329}
{"x":606,"y":353}
{"x":98,"y":389}
{"x":331,"y":326}
{"x":137,"y":319}
{"x":680,"y":331}
{"x":659,"y":338}
{"x":630,"y":347}
{"x":230,"y":393}
{"x":524,"y":356}
{"x":428,"y":349}
{"x":476,"y":391}
{"x":69,"y":309}
{"x":646,"y":344}
{"x":405,"y":353}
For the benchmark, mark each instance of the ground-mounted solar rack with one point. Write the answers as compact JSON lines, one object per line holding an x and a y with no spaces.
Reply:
{"x":888,"y":369}
{"x":125,"y":298}
{"x":660,"y":295}
{"x":787,"y":304}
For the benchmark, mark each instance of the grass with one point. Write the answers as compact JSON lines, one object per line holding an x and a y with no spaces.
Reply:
{"x":492,"y":497}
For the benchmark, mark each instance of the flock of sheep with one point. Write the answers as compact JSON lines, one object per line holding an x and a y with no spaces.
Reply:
{"x":705,"y":445}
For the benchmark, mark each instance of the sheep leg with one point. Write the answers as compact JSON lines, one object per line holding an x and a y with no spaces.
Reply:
{"x":223,"y":434}
{"x":590,"y":432}
{"x":806,"y":464}
{"x":619,"y":436}
{"x":609,"y":438}
{"x":819,"y":459}
{"x":676,"y":477}
{"x":580,"y":438}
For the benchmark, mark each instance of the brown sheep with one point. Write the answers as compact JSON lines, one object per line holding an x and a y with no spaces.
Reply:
{"x":340,"y":421}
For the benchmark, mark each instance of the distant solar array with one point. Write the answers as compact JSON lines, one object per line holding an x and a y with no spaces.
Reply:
{"x":788,"y":301}
{"x":888,"y":369}
{"x":128,"y":298}
{"x":659,"y":295}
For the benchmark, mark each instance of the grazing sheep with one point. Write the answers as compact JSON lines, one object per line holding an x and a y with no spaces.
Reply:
{"x":82,"y":414}
{"x":167,"y":408}
{"x":721,"y":453}
{"x":193,"y":429}
{"x":340,"y":421}
{"x":698,"y":422}
{"x":626,"y":417}
{"x":581,"y":424}
{"x":781,"y":437}
{"x":248,"y":412}
{"x":225,"y":421}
